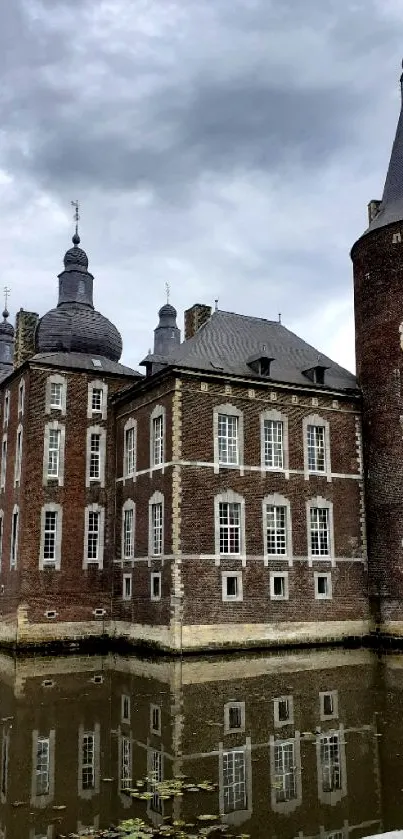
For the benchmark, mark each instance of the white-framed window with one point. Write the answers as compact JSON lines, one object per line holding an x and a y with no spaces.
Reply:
{"x":234,"y":717}
{"x":331,"y":765}
{"x":229,"y":513}
{"x":316,"y":431}
{"x":88,"y":761}
{"x":329,"y":704}
{"x":43,"y":768}
{"x":53,"y":452}
{"x":5,"y":749}
{"x":128,"y":525}
{"x":6,"y":414}
{"x":155,"y":582}
{"x":320,"y":529}
{"x":94,"y":536}
{"x":274,"y":440}
{"x":18,"y":456}
{"x":276,"y":526}
{"x":15,"y":525}
{"x":97,"y":399}
{"x":3,"y":462}
{"x":279,"y":585}
{"x":228,"y":436}
{"x":1,"y":537}
{"x":21,"y":397}
{"x":56,"y":393}
{"x":125,"y":748}
{"x":323,"y":585}
{"x":125,"y":708}
{"x":129,"y":447}
{"x":283,"y":708}
{"x":231,"y":586}
{"x":157,"y":436}
{"x":95,"y":458}
{"x":286,"y":788}
{"x":155,"y":719}
{"x":156,"y":524}
{"x":234,"y":787}
{"x":51,"y":536}
{"x":127,"y":587}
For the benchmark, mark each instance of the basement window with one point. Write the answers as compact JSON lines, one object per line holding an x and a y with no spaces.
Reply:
{"x":234,"y":717}
{"x":99,"y":613}
{"x":284,"y":711}
{"x":51,"y":614}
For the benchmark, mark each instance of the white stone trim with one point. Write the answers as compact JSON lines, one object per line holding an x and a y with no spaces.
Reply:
{"x":95,"y":429}
{"x":277,"y":500}
{"x":125,"y":578}
{"x":229,"y":497}
{"x":229,"y":410}
{"x":275,"y":416}
{"x":240,"y":707}
{"x":97,"y":384}
{"x":153,"y":575}
{"x":18,"y":455}
{"x":56,"y":379}
{"x":1,"y":538}
{"x":6,"y":410}
{"x":51,"y":508}
{"x":158,"y":411}
{"x":131,"y":423}
{"x":21,"y":397}
{"x":54,"y":425}
{"x":128,"y":505}
{"x":335,"y":700}
{"x":156,"y":498}
{"x":16,"y":511}
{"x":91,"y":563}
{"x":336,"y":795}
{"x":284,"y":576}
{"x":328,"y":576}
{"x":3,"y":473}
{"x":239,"y":595}
{"x":286,"y":807}
{"x":321,"y":503}
{"x":278,"y":723}
{"x":315,"y":419}
{"x":236,"y":817}
{"x":87,"y":794}
{"x":42,"y":801}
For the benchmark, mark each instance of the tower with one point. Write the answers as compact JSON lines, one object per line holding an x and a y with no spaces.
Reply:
{"x":378,"y":295}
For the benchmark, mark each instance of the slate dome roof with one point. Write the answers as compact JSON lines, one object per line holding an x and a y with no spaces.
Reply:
{"x":74,"y":325}
{"x":6,"y":328}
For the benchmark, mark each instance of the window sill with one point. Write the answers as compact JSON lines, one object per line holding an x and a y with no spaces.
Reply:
{"x":232,"y":599}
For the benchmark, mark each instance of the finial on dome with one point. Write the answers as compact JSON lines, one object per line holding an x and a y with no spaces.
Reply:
{"x":6,"y":293}
{"x":168,"y":291}
{"x":76,"y":239}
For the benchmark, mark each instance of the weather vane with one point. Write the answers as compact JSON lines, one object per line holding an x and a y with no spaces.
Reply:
{"x":76,"y":216}
{"x":168,"y":291}
{"x":6,"y":293}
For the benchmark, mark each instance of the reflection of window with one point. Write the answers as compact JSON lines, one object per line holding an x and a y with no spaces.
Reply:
{"x":234,"y":717}
{"x":155,"y":719}
{"x":330,"y":765}
{"x":234,"y":780}
{"x":42,"y":766}
{"x":157,"y":777}
{"x":284,"y":711}
{"x":4,"y":763}
{"x":125,"y":708}
{"x":285,"y":777}
{"x":125,"y":763}
{"x":88,"y":764}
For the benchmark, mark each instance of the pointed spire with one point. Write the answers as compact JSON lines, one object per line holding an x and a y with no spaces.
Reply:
{"x":390,"y":208}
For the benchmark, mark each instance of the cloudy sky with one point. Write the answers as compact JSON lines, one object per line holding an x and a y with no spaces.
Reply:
{"x":227,"y":147}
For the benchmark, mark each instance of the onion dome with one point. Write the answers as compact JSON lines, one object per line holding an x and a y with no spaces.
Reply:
{"x":74,"y":325}
{"x":5,"y":327}
{"x":6,"y":342}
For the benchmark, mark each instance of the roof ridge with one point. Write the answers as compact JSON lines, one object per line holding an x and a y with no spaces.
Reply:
{"x":247,"y":317}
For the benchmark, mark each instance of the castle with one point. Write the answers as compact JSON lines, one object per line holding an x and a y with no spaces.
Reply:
{"x":245,"y":490}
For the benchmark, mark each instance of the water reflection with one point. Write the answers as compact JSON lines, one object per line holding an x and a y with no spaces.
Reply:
{"x":300,"y":745}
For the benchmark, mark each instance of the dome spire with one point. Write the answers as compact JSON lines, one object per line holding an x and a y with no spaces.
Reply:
{"x":6,"y":312}
{"x":76,"y":238}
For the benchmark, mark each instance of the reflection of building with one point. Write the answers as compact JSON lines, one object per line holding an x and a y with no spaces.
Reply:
{"x":289,"y":741}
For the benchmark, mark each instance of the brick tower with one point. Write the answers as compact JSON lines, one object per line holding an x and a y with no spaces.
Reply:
{"x":378,"y":291}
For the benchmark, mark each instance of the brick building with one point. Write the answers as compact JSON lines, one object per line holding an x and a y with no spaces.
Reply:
{"x":222,"y":497}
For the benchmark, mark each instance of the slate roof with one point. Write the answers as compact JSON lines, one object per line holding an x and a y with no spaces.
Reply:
{"x":82,"y":361}
{"x":391,"y":206}
{"x":226,"y":342}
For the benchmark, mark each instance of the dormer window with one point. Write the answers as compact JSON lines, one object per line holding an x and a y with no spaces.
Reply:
{"x":260,"y":363}
{"x":316,"y":374}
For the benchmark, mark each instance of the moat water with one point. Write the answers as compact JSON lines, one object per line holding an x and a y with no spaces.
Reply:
{"x":306,"y":744}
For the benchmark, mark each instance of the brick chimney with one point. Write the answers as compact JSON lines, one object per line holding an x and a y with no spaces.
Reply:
{"x":24,"y":346}
{"x":195,"y":317}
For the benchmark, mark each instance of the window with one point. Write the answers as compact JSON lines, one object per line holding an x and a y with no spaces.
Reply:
{"x":228,"y":440}
{"x":49,"y":549}
{"x":1,"y":537}
{"x":125,"y":708}
{"x":96,"y":446}
{"x":14,"y":538}
{"x":128,"y":530}
{"x":51,"y":526}
{"x":230,"y":527}
{"x":158,"y":440}
{"x":329,"y":705}
{"x":95,"y":457}
{"x":88,"y":761}
{"x":283,"y":711}
{"x":330,"y":764}
{"x":56,"y":389}
{"x":279,"y":585}
{"x":320,"y":535}
{"x":127,"y":587}
{"x":232,"y":585}
{"x":21,"y":397}
{"x":97,"y":399}
{"x":285,"y":772}
{"x":155,"y":719}
{"x":125,"y":763}
{"x":6,"y":415}
{"x":94,"y":536}
{"x":156,"y":585}
{"x":42,"y":766}
{"x":273,"y":444}
{"x":234,"y":780}
{"x":3,"y":462}
{"x":129,"y":467}
{"x":18,"y":456}
{"x":156,"y":771}
{"x":234,"y":717}
{"x":276,"y":530}
{"x":156,"y":524}
{"x":53,"y":453}
{"x":53,"y":456}
{"x":316,"y":448}
{"x":4,"y":763}
{"x":323,"y":586}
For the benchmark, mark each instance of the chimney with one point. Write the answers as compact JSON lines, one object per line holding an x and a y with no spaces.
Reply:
{"x":373,"y":209}
{"x":195,"y":317}
{"x":24,"y":347}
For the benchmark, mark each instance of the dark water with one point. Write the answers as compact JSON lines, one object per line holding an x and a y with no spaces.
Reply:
{"x":301,"y":745}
